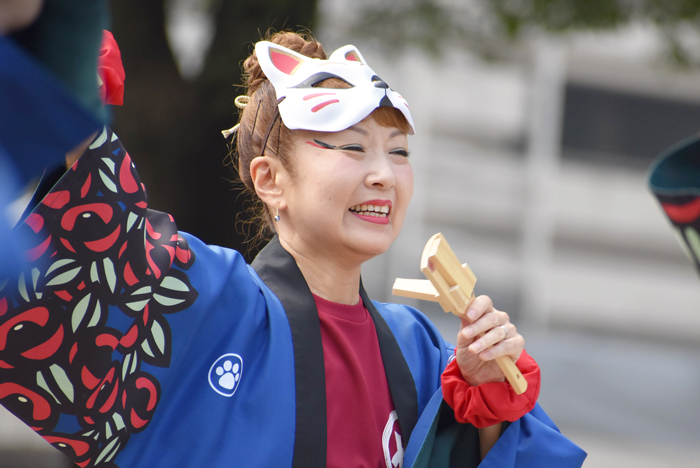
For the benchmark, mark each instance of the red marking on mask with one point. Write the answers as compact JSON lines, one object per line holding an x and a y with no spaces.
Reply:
{"x":323,"y":104}
{"x":352,"y":56}
{"x":285,"y":63}
{"x":311,"y":96}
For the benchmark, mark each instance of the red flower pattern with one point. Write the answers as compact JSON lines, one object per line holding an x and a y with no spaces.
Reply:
{"x":98,"y":253}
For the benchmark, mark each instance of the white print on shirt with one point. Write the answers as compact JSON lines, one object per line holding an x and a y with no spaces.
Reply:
{"x":392,"y":443}
{"x":225,"y":374}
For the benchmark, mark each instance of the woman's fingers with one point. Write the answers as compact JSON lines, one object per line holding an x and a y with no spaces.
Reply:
{"x":490,"y":333}
{"x":512,"y":346}
{"x":479,"y":307}
{"x":494,"y":334}
{"x":485,"y":323}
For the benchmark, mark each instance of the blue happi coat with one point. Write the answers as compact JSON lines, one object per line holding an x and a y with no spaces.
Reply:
{"x":128,"y":344}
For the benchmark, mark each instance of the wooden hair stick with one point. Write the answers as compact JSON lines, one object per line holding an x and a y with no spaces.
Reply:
{"x":451,"y":284}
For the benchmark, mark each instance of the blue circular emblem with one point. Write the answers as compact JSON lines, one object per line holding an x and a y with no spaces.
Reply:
{"x":225,"y":374}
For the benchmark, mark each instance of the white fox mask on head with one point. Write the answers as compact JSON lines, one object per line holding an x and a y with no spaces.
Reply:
{"x":302,"y":106}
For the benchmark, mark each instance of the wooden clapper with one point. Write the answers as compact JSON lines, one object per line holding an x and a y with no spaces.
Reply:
{"x":451,"y":284}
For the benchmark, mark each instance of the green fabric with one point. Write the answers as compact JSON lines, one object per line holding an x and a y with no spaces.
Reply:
{"x":449,"y":444}
{"x":66,"y":39}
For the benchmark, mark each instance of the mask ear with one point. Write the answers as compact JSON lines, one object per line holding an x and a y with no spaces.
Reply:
{"x":348,"y":53}
{"x":277,"y":62}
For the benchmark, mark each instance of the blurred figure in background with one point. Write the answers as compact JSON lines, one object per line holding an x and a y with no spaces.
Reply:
{"x":675,"y":181}
{"x":42,"y":75}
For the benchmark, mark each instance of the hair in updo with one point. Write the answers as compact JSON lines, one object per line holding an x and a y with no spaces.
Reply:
{"x":256,"y":116}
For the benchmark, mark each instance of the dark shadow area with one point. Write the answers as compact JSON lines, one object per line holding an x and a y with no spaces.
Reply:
{"x":620,"y":128}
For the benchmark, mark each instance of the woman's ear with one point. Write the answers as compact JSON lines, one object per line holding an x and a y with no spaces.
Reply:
{"x":268,"y":176}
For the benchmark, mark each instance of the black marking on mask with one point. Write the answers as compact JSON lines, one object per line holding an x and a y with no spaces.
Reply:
{"x":379,"y":83}
{"x":386,"y":102}
{"x":316,"y":78}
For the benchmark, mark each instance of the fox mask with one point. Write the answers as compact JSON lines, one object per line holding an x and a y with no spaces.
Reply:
{"x":302,"y":106}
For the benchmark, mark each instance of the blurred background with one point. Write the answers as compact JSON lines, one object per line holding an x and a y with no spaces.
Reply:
{"x":536,"y":123}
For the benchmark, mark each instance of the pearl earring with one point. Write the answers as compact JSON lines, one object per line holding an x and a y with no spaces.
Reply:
{"x":277,"y":216}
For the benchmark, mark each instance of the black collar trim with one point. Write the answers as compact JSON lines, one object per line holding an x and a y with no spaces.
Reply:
{"x":279,"y":271}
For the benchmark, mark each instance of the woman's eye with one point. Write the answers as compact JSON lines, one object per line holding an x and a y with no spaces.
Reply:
{"x":400,"y":151}
{"x":352,"y":147}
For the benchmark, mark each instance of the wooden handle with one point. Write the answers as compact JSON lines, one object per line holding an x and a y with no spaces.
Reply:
{"x":513,"y":375}
{"x":452,"y":285}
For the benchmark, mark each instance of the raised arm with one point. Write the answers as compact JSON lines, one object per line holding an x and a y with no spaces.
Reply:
{"x":83,"y":325}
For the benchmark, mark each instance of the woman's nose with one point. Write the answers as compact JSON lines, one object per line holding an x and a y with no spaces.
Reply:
{"x":381,"y":172}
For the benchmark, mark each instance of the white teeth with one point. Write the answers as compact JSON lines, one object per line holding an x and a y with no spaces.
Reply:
{"x":371,"y":210}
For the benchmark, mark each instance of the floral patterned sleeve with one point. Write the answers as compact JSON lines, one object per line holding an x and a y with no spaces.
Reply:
{"x":83,"y":326}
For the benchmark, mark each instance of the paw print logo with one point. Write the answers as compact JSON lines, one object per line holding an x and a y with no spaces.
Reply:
{"x":225,"y":374}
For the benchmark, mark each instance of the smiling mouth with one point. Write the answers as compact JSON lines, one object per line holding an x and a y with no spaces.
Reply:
{"x":371,"y":210}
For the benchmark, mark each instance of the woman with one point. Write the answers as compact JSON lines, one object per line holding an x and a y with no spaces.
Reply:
{"x":130,"y":344}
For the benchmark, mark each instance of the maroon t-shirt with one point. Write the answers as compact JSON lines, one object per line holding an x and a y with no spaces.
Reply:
{"x":363,"y":430}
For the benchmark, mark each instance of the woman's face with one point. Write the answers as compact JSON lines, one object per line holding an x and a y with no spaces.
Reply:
{"x":349,"y":191}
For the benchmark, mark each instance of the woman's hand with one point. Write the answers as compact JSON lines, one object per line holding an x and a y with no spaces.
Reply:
{"x":482,"y":339}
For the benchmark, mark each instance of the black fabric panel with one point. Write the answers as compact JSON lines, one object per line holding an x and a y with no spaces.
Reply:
{"x":398,"y":375}
{"x":278,"y":269}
